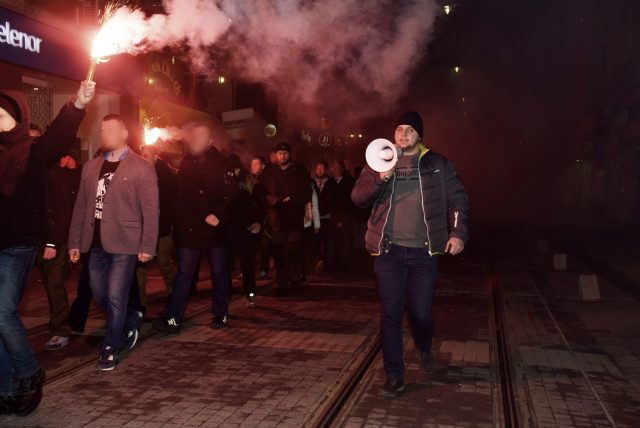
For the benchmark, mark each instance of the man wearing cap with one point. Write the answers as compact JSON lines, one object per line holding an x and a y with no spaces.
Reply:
{"x":288,"y":192}
{"x":420,"y":210}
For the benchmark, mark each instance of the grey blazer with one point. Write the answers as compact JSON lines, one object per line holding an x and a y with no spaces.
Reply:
{"x":130,"y":213}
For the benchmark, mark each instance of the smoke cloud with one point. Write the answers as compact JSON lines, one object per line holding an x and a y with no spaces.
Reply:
{"x":342,"y":59}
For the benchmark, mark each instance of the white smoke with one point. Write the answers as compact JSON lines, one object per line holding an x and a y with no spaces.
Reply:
{"x":347,"y":58}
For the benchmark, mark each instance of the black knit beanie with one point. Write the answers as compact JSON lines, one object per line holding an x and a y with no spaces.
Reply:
{"x":412,"y":119}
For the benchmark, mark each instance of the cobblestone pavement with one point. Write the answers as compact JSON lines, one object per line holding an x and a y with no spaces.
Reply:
{"x":272,"y":367}
{"x":459,"y":392}
{"x":592,"y":379}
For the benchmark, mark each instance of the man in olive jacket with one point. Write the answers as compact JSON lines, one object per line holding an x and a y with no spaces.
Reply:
{"x":420,"y":210}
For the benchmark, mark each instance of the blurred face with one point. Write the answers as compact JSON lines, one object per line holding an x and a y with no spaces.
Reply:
{"x":283,"y":157}
{"x":256,"y":167}
{"x":199,"y":140}
{"x":7,"y":122}
{"x":68,"y":162}
{"x":321,"y":171}
{"x":113,"y":135}
{"x":406,"y":137}
{"x":273,"y":157}
{"x":337,"y":169}
{"x":149,"y":154}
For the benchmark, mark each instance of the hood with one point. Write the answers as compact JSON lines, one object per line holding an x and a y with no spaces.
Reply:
{"x":21,"y":131}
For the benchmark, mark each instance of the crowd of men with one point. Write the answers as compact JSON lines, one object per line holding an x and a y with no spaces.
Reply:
{"x":127,"y":206}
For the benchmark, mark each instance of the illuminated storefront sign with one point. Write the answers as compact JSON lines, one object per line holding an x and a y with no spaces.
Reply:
{"x":18,"y":39}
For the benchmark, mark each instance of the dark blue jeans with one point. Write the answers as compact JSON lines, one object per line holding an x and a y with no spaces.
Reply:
{"x":79,"y":310}
{"x":406,"y":277}
{"x":187,"y":260}
{"x":17,"y":358}
{"x":111,"y":277}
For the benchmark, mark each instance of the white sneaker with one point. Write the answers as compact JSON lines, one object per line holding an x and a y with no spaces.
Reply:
{"x":56,"y":343}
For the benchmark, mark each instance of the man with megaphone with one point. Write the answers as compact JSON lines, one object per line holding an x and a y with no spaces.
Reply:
{"x":420,"y":211}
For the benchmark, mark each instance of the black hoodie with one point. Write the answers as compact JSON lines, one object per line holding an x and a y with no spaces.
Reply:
{"x":24,"y":163}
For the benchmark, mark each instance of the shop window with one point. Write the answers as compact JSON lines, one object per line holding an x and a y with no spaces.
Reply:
{"x":39,"y":99}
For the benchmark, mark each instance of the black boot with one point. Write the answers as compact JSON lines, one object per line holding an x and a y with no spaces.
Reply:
{"x":7,"y":405}
{"x":29,"y":393}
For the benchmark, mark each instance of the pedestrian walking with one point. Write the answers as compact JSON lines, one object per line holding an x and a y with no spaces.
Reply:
{"x":288,"y":193}
{"x":24,"y":163}
{"x":115,"y":220}
{"x":201,"y":224}
{"x":64,"y":181}
{"x":420,"y":211}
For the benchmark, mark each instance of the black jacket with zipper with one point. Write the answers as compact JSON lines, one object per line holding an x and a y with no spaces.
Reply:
{"x":444,"y":201}
{"x":202,"y":190}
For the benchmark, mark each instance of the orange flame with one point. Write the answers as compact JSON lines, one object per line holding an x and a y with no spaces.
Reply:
{"x":110,"y":36}
{"x":153,"y":135}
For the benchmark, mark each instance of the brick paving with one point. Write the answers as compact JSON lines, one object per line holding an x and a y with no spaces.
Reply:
{"x":604,"y":339}
{"x":459,"y":392}
{"x":280,"y":363}
{"x":270,"y":368}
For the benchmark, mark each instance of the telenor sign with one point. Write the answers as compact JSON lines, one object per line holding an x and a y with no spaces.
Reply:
{"x":19,"y":39}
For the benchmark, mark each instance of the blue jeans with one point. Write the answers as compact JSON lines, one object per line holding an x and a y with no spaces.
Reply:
{"x":17,"y":358}
{"x":111,"y":276}
{"x":187,"y":261}
{"x":79,"y":310}
{"x":406,"y":276}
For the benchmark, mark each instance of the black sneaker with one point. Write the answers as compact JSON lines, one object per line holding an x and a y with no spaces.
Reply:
{"x":426,"y":361}
{"x":108,"y":359}
{"x":166,"y":325}
{"x":7,"y":405}
{"x":219,"y":322}
{"x":251,"y":300}
{"x":392,"y":388}
{"x":29,"y":393}
{"x":130,"y":338}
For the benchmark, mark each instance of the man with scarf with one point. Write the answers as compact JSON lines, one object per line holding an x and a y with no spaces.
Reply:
{"x":24,"y":163}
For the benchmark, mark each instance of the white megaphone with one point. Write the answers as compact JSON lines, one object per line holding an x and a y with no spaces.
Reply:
{"x":382,"y":155}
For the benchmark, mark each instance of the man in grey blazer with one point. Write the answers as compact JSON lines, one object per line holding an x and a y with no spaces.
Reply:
{"x":115,"y":219}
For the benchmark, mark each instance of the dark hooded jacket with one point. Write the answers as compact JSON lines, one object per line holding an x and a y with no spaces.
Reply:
{"x":24,"y":164}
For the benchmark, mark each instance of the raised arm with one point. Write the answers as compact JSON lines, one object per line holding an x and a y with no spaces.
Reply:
{"x":57,"y":140}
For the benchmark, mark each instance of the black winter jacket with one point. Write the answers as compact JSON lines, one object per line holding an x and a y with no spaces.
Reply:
{"x":202,"y":191}
{"x":63,"y":190}
{"x":23,"y":215}
{"x":292,"y":183}
{"x":444,"y":201}
{"x":168,"y":189}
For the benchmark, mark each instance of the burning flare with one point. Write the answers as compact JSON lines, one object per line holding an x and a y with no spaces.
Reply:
{"x":104,"y":40}
{"x":153,"y":135}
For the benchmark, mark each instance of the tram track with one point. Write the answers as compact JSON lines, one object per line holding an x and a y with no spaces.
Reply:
{"x":91,"y":358}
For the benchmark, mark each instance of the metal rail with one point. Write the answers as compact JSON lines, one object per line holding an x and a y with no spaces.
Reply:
{"x":91,"y":361}
{"x":509,"y":403}
{"x":338,"y":401}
